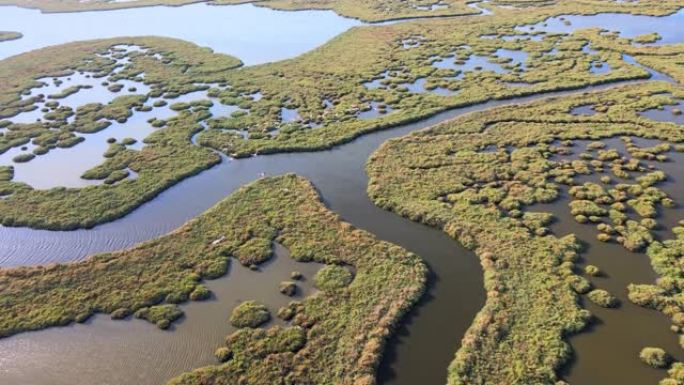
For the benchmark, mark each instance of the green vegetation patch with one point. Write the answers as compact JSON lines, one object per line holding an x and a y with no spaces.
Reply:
{"x":655,"y":357}
{"x":161,"y":315}
{"x":7,"y":35}
{"x":249,"y":314}
{"x":603,"y":298}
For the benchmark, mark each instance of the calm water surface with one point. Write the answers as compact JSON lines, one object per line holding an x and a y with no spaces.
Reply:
{"x":608,"y":351}
{"x":668,"y":27}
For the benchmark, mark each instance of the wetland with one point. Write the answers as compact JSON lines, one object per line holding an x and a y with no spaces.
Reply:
{"x":494,"y":204}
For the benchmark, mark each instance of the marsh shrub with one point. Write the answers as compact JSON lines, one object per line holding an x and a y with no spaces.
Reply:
{"x":249,"y":314}
{"x":255,"y":251}
{"x":296,"y":275}
{"x":288,"y":288}
{"x":579,"y":284}
{"x":200,"y":293}
{"x":223,"y":354}
{"x":592,"y":270}
{"x":603,"y":298}
{"x":120,"y":313}
{"x":655,"y":357}
{"x":161,"y":315}
{"x":23,"y":158}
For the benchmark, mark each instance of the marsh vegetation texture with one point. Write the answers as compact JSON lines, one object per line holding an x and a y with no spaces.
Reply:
{"x":91,"y":130}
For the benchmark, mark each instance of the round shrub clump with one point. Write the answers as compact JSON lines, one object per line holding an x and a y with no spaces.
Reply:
{"x":296,"y":275}
{"x":592,"y":270}
{"x":332,"y":277}
{"x":655,"y":357}
{"x":249,"y":314}
{"x":200,"y":293}
{"x":603,"y":298}
{"x":288,"y":288}
{"x":222,"y":354}
{"x":23,"y":158}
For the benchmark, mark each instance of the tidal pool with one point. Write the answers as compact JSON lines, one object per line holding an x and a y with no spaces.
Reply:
{"x":253,"y":34}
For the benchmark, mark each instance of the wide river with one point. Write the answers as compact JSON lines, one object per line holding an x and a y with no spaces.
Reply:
{"x":103,"y":351}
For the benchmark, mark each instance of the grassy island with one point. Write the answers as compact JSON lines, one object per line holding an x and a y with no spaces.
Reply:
{"x":370,"y":10}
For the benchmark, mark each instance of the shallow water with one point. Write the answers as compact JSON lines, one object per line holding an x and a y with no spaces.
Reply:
{"x":59,"y":356}
{"x":254,"y":34}
{"x":63,"y":167}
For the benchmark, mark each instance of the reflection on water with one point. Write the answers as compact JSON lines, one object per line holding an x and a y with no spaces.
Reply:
{"x":253,"y":34}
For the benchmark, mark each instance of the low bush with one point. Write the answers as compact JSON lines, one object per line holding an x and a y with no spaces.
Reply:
{"x":249,"y":314}
{"x":655,"y":357}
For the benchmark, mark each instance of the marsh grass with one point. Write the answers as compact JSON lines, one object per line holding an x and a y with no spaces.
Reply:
{"x":249,"y":314}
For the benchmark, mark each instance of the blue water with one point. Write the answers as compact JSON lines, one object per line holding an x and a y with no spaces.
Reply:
{"x":254,"y":34}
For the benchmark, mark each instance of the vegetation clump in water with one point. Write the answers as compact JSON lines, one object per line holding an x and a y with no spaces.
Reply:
{"x":249,"y":314}
{"x":655,"y":357}
{"x":603,"y":298}
{"x":7,"y":35}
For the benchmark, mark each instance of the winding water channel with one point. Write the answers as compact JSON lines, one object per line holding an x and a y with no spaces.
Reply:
{"x":103,"y":351}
